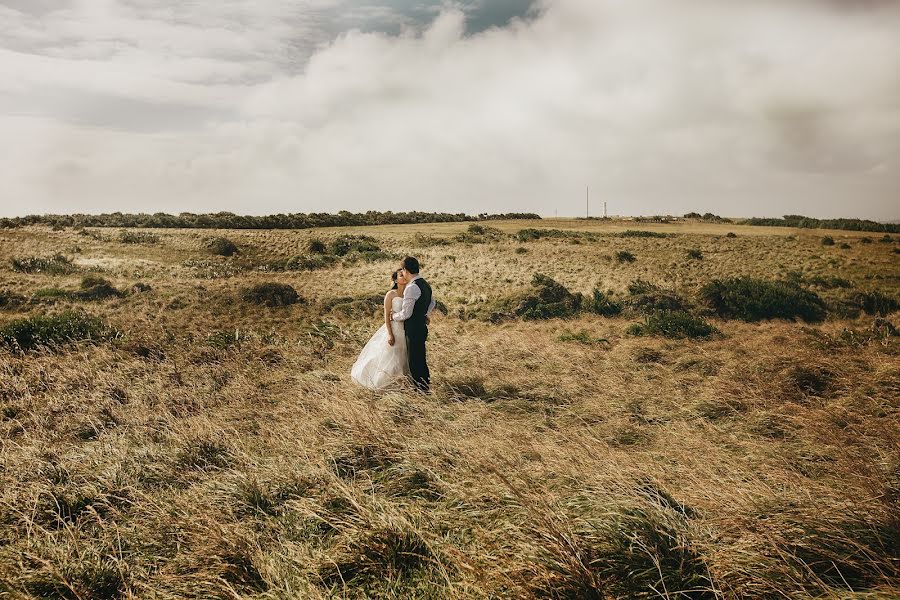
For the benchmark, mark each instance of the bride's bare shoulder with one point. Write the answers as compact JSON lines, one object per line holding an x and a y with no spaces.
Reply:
{"x":390,"y":295}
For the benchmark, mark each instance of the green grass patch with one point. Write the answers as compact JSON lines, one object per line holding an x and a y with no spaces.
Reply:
{"x":53,"y":332}
{"x":673,"y":324}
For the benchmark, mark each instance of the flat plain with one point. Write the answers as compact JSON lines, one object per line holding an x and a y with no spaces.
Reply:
{"x":203,"y":438}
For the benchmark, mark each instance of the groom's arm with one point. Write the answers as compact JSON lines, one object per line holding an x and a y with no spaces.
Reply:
{"x":410,"y":295}
{"x":431,"y":306}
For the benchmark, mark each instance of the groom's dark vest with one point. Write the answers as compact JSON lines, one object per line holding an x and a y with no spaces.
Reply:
{"x":415,"y":324}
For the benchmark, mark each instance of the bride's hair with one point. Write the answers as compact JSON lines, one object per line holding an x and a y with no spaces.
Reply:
{"x":394,"y":279}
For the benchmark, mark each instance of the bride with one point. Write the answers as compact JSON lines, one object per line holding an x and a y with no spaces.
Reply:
{"x":383,"y":362}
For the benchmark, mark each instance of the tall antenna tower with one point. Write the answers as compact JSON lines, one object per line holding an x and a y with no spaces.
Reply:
{"x":587,"y":202}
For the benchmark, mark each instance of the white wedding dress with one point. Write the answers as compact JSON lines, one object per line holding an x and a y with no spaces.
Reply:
{"x":381,"y":366}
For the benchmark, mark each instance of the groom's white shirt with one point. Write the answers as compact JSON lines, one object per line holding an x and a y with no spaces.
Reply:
{"x":410,"y":295}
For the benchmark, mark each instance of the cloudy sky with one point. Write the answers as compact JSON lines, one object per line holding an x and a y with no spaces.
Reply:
{"x":739,"y":107}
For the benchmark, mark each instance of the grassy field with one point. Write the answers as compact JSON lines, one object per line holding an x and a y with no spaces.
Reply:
{"x":196,"y":443}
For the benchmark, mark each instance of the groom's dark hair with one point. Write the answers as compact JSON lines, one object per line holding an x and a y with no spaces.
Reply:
{"x":411,"y":264}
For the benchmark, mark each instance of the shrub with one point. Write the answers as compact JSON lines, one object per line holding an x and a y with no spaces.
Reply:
{"x":271,"y":294}
{"x":547,"y":300}
{"x":674,"y":324}
{"x":648,"y":298}
{"x":875,"y":303}
{"x":55,"y":265}
{"x":346,"y":244}
{"x":521,"y":250}
{"x":602,"y":304}
{"x":844,"y":246}
{"x":137,"y":237}
{"x":302,"y":263}
{"x":92,"y":288}
{"x":865,"y":240}
{"x":827,"y":283}
{"x":53,"y":332}
{"x":695,"y":254}
{"x":531,"y":234}
{"x":479,"y":234}
{"x":828,"y":241}
{"x":731,"y":234}
{"x":639,"y":233}
{"x":624,"y":256}
{"x":96,"y":288}
{"x":316,"y":246}
{"x":222,"y":247}
{"x":426,"y":241}
{"x":752,"y":299}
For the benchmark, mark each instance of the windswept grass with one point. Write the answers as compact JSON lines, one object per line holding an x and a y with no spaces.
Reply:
{"x":739,"y":448}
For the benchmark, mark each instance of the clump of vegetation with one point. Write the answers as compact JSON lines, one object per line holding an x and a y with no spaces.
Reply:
{"x":695,"y":254}
{"x":345,"y":244}
{"x":138,"y":237}
{"x":271,"y":294}
{"x":828,"y":241}
{"x":92,"y":288}
{"x":301,"y":262}
{"x":820,"y":281}
{"x":865,"y":240}
{"x":731,"y":234}
{"x":624,"y":256}
{"x":648,"y":298}
{"x":54,"y":265}
{"x":752,"y":299}
{"x":547,"y":299}
{"x":316,"y":246}
{"x":640,"y":233}
{"x":531,"y":234}
{"x":53,"y":332}
{"x":428,"y":241}
{"x":874,"y":302}
{"x":479,"y":234}
{"x":673,"y":324}
{"x":222,"y":247}
{"x":602,"y":304}
{"x":96,"y":288}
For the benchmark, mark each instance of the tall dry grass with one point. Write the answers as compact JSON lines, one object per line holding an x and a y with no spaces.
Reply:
{"x":217,"y":448}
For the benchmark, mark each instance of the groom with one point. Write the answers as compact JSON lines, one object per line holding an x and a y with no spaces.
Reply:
{"x":417,"y":306}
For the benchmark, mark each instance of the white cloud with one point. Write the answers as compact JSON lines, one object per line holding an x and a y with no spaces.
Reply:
{"x":739,"y":107}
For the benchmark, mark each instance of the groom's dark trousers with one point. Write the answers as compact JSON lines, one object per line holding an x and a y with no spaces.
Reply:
{"x":416,"y":335}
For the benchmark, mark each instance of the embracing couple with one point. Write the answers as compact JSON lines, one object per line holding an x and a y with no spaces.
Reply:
{"x":396,"y":352}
